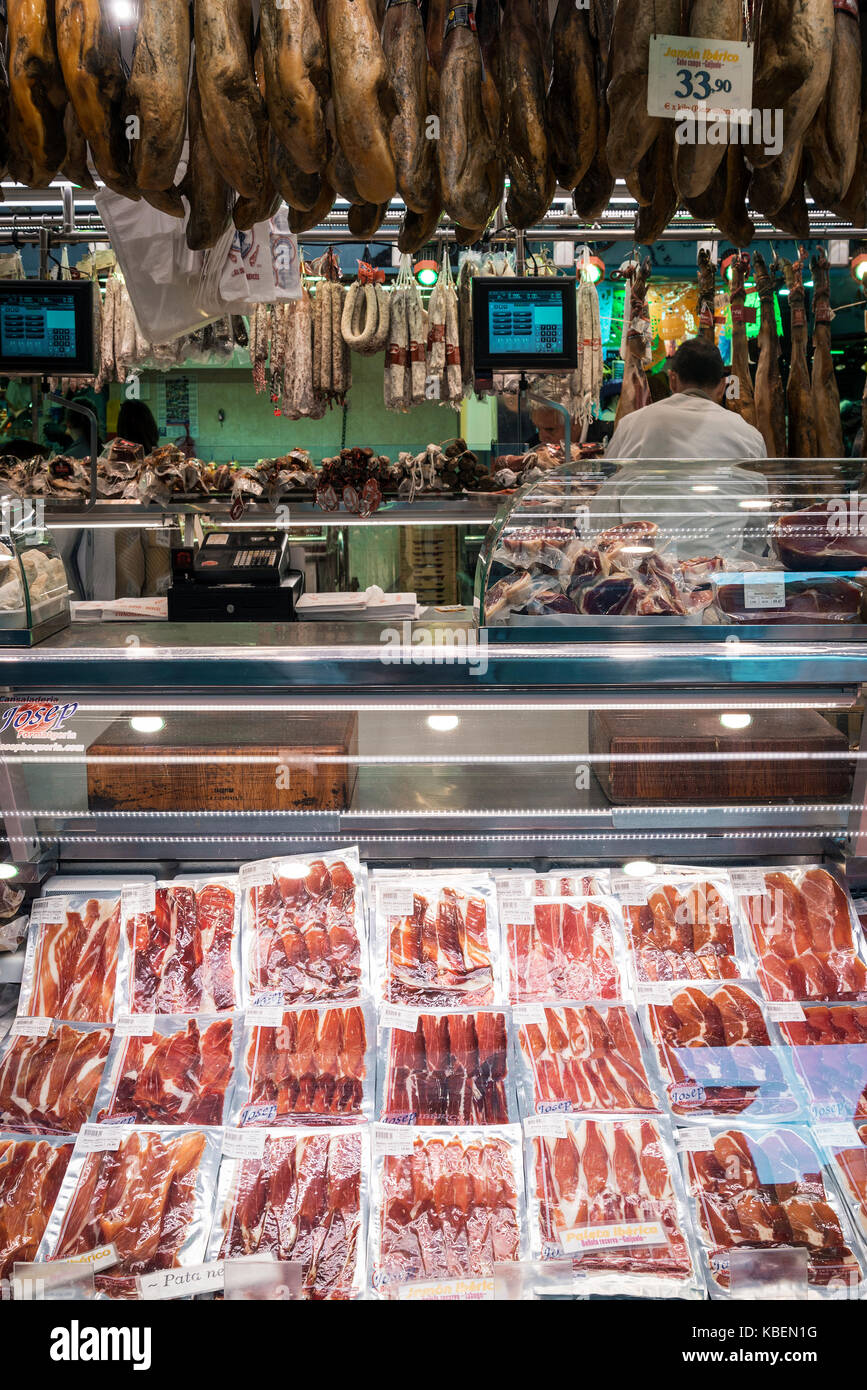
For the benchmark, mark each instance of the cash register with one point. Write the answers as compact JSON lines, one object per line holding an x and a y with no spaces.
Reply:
{"x":240,"y":576}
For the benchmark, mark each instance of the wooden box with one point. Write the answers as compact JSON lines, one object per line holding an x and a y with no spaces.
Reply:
{"x":685,"y":782}
{"x":184,"y":767}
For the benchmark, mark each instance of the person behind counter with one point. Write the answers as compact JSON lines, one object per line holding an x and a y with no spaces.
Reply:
{"x":689,"y":482}
{"x":135,"y":423}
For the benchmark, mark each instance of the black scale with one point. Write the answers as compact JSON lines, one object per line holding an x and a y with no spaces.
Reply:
{"x":240,"y":576}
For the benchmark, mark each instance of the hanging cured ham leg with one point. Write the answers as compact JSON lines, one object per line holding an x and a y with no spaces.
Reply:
{"x":799,"y":395}
{"x":826,"y":394}
{"x":636,"y":392}
{"x":770,"y":398}
{"x":363,"y":97}
{"x":743,"y":400}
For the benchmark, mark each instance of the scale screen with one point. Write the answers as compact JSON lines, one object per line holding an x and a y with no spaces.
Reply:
{"x":46,"y":327}
{"x":528,"y":322}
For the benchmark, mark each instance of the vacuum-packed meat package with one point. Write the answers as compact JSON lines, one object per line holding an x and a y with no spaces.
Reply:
{"x":180,"y":947}
{"x":70,"y":966}
{"x":682,"y":928}
{"x":805,"y":933}
{"x":606,"y":1192}
{"x":563,"y":948}
{"x":178,"y":1072}
{"x":764,"y":1189}
{"x":49,"y":1077}
{"x":719,"y":1054}
{"x":148,"y":1190}
{"x":848,"y":1161}
{"x":829,"y":1050}
{"x":304,"y":929}
{"x":448,"y":1205}
{"x":298,"y":1195}
{"x":580,"y":1058}
{"x":559,"y":883}
{"x":307,"y":1065}
{"x":31,"y":1172}
{"x":445,"y":1068}
{"x":437,"y":939}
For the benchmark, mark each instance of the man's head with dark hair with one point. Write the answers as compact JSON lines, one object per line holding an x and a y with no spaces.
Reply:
{"x":698,"y":366}
{"x":136,"y":423}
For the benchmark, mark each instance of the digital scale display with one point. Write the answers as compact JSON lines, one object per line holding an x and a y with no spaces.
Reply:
{"x":46,"y":326}
{"x":526,"y":323}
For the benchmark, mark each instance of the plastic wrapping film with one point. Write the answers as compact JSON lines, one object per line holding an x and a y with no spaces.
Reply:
{"x":71,"y":961}
{"x":805,"y":933}
{"x":447,"y":1206}
{"x":682,"y":926}
{"x":606,"y":1192}
{"x":35,"y":1164}
{"x":49,"y":1074}
{"x":558,"y":883}
{"x":181,"y":947}
{"x":828,"y":1045}
{"x":170,"y":1070}
{"x":563,"y":948}
{"x":305,"y":932}
{"x":437,"y":939}
{"x":445,"y":1067}
{"x":582,"y":1058}
{"x":148,"y":1189}
{"x":311,"y":1064}
{"x":844,"y":1147}
{"x":297,"y":1195}
{"x":719,"y":1054}
{"x":759,"y":1189}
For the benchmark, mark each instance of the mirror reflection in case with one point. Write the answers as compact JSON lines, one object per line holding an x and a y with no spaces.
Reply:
{"x":523,"y":323}
{"x":46,"y":328}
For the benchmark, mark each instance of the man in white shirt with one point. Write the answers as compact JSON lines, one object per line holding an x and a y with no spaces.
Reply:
{"x":689,"y":483}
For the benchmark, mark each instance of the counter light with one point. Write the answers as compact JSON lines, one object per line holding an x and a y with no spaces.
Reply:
{"x":443,"y":723}
{"x":753,"y":504}
{"x":639,"y":868}
{"x":426,"y":273}
{"x":147,"y":723}
{"x":734,"y":720}
{"x":705,"y":487}
{"x":8,"y":871}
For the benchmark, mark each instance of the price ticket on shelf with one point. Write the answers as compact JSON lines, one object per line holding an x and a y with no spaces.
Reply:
{"x":704,"y":78}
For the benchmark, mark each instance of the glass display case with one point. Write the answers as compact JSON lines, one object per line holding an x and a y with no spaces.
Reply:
{"x":34,"y":592}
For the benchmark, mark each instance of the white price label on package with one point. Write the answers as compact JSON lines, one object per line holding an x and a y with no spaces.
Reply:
{"x":265,"y":1016}
{"x":135,"y":1026}
{"x":98,"y":1139}
{"x":244,"y":1143}
{"x":837,"y":1134}
{"x":631,"y":892}
{"x":396,"y":902}
{"x":31,"y":1027}
{"x":747,"y":883}
{"x":653,"y":993}
{"x":698,"y":77}
{"x":43,"y":910}
{"x":518,"y":911}
{"x":783,"y":1011}
{"x":392,"y":1140}
{"x":764,"y":590}
{"x":139,"y":897}
{"x":697,"y":1140}
{"x":525,"y":1015}
{"x":256,"y":875}
{"x":397,"y":1016}
{"x":183,"y":1283}
{"x":545,"y":1126}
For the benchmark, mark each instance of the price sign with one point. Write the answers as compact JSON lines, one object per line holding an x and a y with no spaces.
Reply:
{"x":765,"y":590}
{"x":699,"y":77}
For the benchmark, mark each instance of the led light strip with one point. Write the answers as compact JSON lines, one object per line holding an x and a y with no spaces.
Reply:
{"x":285,"y":756}
{"x":348,"y":837}
{"x":599,"y":812}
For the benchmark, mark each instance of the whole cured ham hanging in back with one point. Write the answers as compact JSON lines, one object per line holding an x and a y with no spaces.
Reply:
{"x":635,"y":392}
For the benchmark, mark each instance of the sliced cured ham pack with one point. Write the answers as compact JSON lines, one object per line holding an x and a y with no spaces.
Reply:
{"x":305,"y":934}
{"x":33,"y":1165}
{"x":300,"y":1197}
{"x":48,"y":1081}
{"x":765,"y":1189}
{"x":308,"y":1064}
{"x":805,"y":933}
{"x":447,"y":1205}
{"x":848,"y":1163}
{"x":179,"y":1073}
{"x":148,"y":1190}
{"x":681,"y":927}
{"x":437,"y":939}
{"x":606,"y":1193}
{"x":582,"y":1057}
{"x":70,"y":967}
{"x":829,"y":1055}
{"x":563,"y":948}
{"x":181,"y":947}
{"x":445,"y":1068}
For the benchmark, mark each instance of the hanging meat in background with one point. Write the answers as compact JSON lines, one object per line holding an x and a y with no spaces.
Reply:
{"x":75,"y":166}
{"x":652,"y":220}
{"x":706,"y":295}
{"x":744,"y":401}
{"x":158,"y":90}
{"x":4,"y":101}
{"x":209,"y":196}
{"x":632,"y":130}
{"x":232,"y":105}
{"x":732,"y":217}
{"x":248,"y":211}
{"x":363,"y":97}
{"x":521,"y":69}
{"x":826,"y":395}
{"x":573,"y":107}
{"x":296,"y":80}
{"x":88,"y":45}
{"x":802,"y":424}
{"x":792,"y":217}
{"x":853,"y":205}
{"x":636,"y":324}
{"x":770,"y":398}
{"x":831,"y":149}
{"x":435,"y":29}
{"x":405,"y":48}
{"x":36,"y":84}
{"x":592,"y":194}
{"x":470,"y":160}
{"x":696,"y":165}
